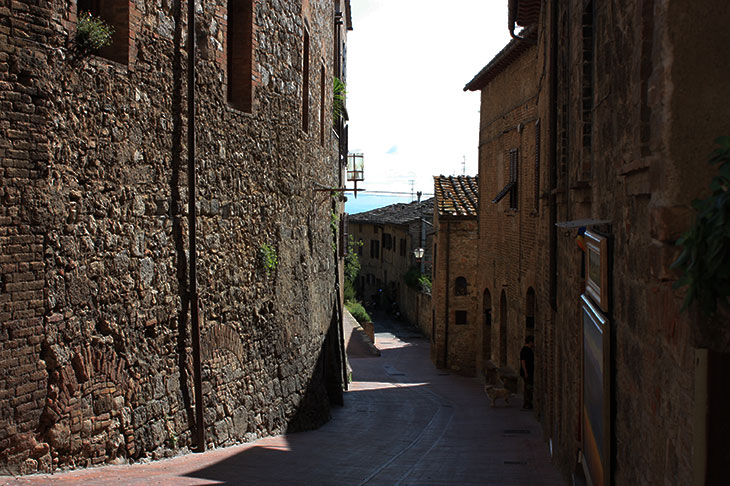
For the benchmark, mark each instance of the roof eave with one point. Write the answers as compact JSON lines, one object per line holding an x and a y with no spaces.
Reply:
{"x":511,"y":52}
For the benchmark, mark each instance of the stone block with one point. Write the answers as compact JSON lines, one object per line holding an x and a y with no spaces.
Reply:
{"x":667,"y":224}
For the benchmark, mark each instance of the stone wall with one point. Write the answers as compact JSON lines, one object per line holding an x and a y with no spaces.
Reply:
{"x":95,"y":337}
{"x":633,"y":134}
{"x":416,"y":309}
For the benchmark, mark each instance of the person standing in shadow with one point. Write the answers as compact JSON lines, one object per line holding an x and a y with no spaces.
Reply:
{"x":527,"y":370}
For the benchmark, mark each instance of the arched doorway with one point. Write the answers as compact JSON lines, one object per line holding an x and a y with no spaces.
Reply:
{"x":530,"y":312}
{"x":487,"y":336}
{"x":503,"y":329}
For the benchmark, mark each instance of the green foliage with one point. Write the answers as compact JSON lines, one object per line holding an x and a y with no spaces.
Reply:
{"x":425,"y":283}
{"x":338,"y":99}
{"x":349,"y":291}
{"x":358,"y":311}
{"x":417,"y":280}
{"x":92,"y":33}
{"x":268,"y":257}
{"x":352,"y":260}
{"x":705,"y":258}
{"x":334,"y":226}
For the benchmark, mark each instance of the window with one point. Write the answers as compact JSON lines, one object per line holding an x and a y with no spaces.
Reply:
{"x":511,"y":187}
{"x":116,"y":14}
{"x":460,"y":286}
{"x":513,"y":166}
{"x":374,"y":249}
{"x":239,"y":53}
{"x":460,"y":317}
{"x":360,"y":244}
{"x":403,"y":247}
{"x":305,"y":83}
{"x":387,"y":241}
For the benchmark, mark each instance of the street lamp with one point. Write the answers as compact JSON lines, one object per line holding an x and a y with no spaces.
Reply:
{"x":355,"y":169}
{"x":418,"y":253}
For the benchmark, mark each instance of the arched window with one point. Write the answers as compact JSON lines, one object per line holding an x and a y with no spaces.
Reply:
{"x":460,"y":286}
{"x":530,"y":310}
{"x":503,"y":329}
{"x":487,"y":336}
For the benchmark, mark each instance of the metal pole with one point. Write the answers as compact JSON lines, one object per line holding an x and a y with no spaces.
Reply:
{"x":193,"y":287}
{"x":423,"y":233}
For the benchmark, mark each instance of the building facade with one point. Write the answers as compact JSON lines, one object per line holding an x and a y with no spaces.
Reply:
{"x":95,"y":252}
{"x":455,"y":293}
{"x":387,"y":238}
{"x":509,"y":158}
{"x":627,"y":111}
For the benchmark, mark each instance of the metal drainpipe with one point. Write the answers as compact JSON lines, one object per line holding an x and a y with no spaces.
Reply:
{"x":448,"y":279}
{"x":194,"y":314}
{"x":553,"y":151}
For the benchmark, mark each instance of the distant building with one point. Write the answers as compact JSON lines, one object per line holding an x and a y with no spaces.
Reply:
{"x":455,"y":291}
{"x":388,"y":236}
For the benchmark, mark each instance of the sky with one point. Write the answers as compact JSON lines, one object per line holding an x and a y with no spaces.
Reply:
{"x":407,"y":64}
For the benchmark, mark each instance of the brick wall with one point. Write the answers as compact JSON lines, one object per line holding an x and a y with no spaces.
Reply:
{"x":93,"y":237}
{"x":453,"y":345}
{"x":508,"y":258}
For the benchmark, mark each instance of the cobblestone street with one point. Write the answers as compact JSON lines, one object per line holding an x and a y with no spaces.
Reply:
{"x":404,"y":422}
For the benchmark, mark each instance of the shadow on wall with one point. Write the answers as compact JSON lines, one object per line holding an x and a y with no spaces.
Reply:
{"x":325,"y":385}
{"x":175,"y":212}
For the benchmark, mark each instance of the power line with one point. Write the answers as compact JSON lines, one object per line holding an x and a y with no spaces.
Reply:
{"x":394,"y":193}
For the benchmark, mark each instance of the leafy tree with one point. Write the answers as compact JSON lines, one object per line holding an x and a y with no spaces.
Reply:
{"x":705,"y":259}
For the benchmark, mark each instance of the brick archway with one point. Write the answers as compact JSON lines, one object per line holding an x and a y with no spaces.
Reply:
{"x":487,"y":323}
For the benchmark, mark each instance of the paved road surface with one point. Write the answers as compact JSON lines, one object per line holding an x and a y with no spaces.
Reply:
{"x":404,"y":423}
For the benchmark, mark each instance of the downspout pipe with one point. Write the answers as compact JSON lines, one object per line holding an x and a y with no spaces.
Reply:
{"x":193,"y":287}
{"x":446,"y":290}
{"x":553,"y":154}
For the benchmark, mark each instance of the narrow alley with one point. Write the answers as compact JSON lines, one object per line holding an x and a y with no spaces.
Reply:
{"x":404,"y":423}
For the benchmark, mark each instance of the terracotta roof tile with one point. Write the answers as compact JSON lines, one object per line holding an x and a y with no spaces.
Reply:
{"x":523,"y":12}
{"x":457,"y":196}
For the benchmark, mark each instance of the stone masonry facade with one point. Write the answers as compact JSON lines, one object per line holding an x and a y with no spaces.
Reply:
{"x":95,"y":340}
{"x":387,"y":237}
